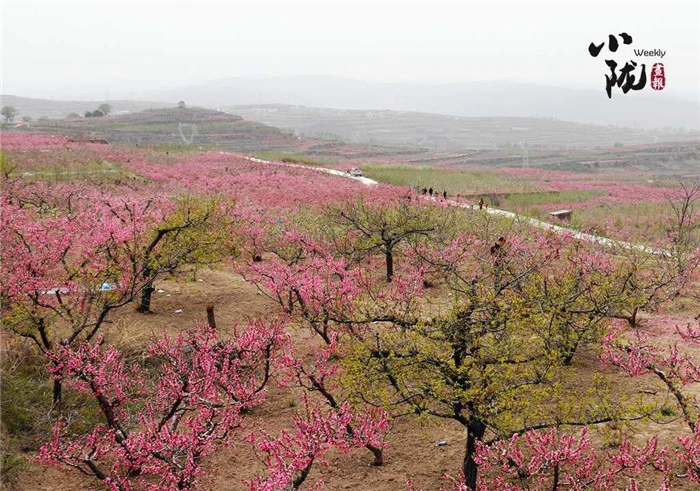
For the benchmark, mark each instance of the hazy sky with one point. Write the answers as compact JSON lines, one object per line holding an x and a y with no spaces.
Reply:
{"x":91,"y":49}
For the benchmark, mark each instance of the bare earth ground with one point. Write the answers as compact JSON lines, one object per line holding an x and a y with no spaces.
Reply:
{"x":412,"y":453}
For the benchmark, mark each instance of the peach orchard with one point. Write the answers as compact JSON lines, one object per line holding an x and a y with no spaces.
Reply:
{"x":409,"y":313}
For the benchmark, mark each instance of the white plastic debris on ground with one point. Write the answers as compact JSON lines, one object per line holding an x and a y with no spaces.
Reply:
{"x":55,"y":290}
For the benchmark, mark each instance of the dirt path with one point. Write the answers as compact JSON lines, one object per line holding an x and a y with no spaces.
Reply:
{"x":595,"y":239}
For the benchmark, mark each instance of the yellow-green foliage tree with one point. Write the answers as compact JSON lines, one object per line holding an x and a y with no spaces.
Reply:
{"x":367,"y":229}
{"x":498,"y":362}
{"x":194,"y":231}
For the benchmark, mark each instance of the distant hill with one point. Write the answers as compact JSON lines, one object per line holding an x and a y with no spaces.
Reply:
{"x":173,"y":126}
{"x":448,"y":133}
{"x":38,"y":108}
{"x":444,"y":140}
{"x":200,"y":128}
{"x":468,"y":99}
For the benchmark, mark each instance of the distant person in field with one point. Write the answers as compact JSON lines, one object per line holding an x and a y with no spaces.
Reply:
{"x":430,"y":192}
{"x":498,"y":245}
{"x":444,"y":194}
{"x":425,"y":191}
{"x":481,"y":203}
{"x":498,"y":251}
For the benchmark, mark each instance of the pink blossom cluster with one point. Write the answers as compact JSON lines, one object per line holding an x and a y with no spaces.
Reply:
{"x":551,"y":459}
{"x":73,"y":242}
{"x":258,"y":184}
{"x":636,"y":355}
{"x":24,"y":141}
{"x":290,"y":456}
{"x":158,"y":429}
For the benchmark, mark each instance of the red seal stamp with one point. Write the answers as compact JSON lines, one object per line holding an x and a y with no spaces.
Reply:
{"x":658,"y":76}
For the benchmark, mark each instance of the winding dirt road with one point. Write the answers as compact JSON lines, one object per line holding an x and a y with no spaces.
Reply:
{"x":595,"y":239}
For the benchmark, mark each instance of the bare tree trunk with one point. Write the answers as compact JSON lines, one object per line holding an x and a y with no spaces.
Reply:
{"x":378,"y":454}
{"x":57,"y":389}
{"x":632,"y":319}
{"x":210,"y":317}
{"x":145,"y":305}
{"x":301,"y":476}
{"x":555,"y":478}
{"x":475,"y":433}
{"x":389,"y":264}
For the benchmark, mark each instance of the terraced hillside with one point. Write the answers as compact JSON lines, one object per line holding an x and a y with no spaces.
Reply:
{"x":448,"y":133}
{"x":186,"y":127}
{"x":663,"y":157}
{"x":194,"y":128}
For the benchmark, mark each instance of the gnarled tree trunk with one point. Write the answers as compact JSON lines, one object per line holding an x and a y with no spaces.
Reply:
{"x":475,"y":432}
{"x":145,"y":305}
{"x":389,"y":264}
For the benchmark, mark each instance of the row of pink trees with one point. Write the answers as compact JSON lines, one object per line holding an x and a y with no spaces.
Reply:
{"x":71,"y":260}
{"x":161,"y":424}
{"x":193,"y":401}
{"x":72,"y":255}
